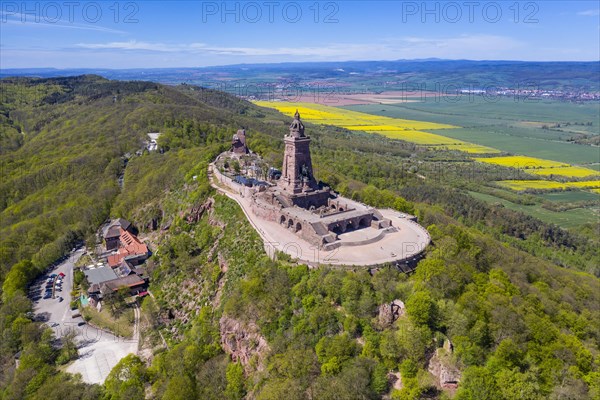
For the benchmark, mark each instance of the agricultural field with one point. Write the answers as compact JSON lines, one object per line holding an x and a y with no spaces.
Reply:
{"x":568,"y":219}
{"x":574,"y":172}
{"x":520,"y":185}
{"x":522,"y":162}
{"x":485,"y":133}
{"x":401,"y":129}
{"x":542,"y":129}
{"x":570,"y":196}
{"x":538,"y":166}
{"x":322,"y":114}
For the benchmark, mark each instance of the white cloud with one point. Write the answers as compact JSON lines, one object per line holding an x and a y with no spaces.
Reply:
{"x":590,"y":13}
{"x":405,"y":47}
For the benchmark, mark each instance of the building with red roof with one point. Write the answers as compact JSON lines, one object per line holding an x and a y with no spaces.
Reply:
{"x":130,"y":250}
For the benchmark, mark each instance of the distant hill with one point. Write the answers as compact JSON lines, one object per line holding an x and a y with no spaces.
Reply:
{"x":369,"y":75}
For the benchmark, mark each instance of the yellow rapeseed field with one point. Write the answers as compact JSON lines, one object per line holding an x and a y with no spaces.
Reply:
{"x":412,"y":131}
{"x":577,"y":172}
{"x":321,"y":114}
{"x":522,"y":162}
{"x":394,"y":128}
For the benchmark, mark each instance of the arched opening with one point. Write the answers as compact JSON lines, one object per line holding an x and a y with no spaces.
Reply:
{"x":341,"y":209}
{"x":282,"y":220}
{"x":298,"y":227}
{"x":337,"y":229}
{"x":290,"y":223}
{"x":333,"y":207}
{"x":363,"y":223}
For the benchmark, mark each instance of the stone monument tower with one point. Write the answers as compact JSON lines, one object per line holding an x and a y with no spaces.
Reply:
{"x":238,"y":143}
{"x":297,"y":175}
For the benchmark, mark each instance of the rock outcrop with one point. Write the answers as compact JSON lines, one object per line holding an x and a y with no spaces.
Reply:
{"x":389,"y":313}
{"x":442,"y":367}
{"x":195,"y":213}
{"x":243,"y":342}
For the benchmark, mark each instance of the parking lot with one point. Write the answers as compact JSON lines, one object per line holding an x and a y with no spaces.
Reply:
{"x":99,"y":351}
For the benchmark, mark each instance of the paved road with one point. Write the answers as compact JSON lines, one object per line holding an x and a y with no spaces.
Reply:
{"x":99,"y":351}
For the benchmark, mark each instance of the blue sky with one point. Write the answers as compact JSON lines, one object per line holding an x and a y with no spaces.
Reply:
{"x":148,"y":34}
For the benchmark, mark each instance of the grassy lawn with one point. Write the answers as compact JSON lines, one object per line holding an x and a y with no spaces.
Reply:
{"x":121,"y":326}
{"x":566,"y":219}
{"x":84,"y":260}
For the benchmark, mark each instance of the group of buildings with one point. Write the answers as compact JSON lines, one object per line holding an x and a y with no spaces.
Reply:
{"x":124,"y":255}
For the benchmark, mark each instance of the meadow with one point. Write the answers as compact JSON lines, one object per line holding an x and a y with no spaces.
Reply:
{"x":568,"y":219}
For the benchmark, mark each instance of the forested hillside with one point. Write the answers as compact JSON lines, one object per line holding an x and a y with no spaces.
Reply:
{"x":508,"y":304}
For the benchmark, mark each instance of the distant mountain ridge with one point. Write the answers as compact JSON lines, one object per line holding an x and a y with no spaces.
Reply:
{"x":579,"y":75}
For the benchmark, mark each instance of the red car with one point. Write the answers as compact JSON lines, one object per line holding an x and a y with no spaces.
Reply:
{"x":61,"y":274}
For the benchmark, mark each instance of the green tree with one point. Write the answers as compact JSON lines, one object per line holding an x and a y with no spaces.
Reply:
{"x":235,"y":389}
{"x":180,"y":387}
{"x":478,"y":383}
{"x":126,"y":380}
{"x":421,"y":309}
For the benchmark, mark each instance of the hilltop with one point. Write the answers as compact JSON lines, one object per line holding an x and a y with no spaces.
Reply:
{"x":501,"y":304}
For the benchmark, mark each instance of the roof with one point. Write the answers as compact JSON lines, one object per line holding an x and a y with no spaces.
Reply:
{"x":119,"y":223}
{"x":123,"y":269}
{"x":123,"y":223}
{"x":100,"y":275}
{"x":129,"y":281}
{"x":112,"y":232}
{"x":131,"y":247}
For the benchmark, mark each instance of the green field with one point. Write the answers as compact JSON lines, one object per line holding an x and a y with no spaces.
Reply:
{"x":513,"y":140}
{"x":570,"y":196}
{"x":509,"y":126}
{"x":566,"y":219}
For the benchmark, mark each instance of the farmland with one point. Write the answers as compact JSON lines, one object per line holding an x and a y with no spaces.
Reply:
{"x":543,"y":129}
{"x":522,"y":162}
{"x":394,"y":128}
{"x":518,"y":130}
{"x":568,"y":219}
{"x":576,"y":172}
{"x":520,"y":185}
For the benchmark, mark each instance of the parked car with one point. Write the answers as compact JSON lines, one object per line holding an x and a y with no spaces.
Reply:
{"x":47,"y":295}
{"x":60,"y":299}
